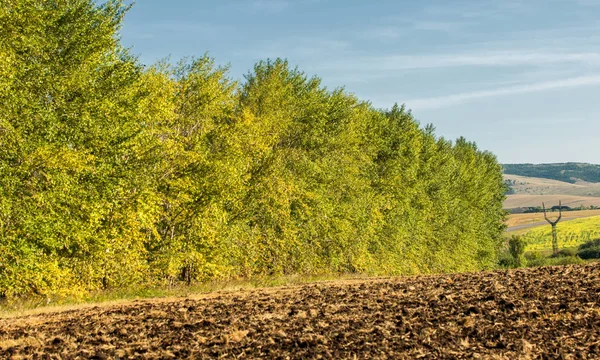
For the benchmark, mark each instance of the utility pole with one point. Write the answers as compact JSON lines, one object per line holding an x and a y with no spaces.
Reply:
{"x":553,"y":223}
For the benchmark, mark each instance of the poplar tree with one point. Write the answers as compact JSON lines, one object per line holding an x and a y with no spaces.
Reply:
{"x":113,"y":174}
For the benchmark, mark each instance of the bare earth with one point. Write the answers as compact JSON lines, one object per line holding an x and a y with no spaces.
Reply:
{"x":549,"y":313}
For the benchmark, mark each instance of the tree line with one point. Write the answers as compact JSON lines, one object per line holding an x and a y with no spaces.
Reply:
{"x":567,"y":172}
{"x":115,"y":174}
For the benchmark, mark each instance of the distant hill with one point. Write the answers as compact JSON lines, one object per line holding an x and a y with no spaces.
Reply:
{"x":566,"y":172}
{"x":575,"y":184}
{"x":524,"y":185}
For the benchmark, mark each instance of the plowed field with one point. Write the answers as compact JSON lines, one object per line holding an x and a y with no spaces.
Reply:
{"x":550,"y":312}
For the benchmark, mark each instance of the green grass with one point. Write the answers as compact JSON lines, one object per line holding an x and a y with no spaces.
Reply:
{"x":571,"y":234}
{"x":29,"y":305}
{"x":534,"y":259}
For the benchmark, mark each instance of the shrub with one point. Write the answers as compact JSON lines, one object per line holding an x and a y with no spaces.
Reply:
{"x":516,"y":247}
{"x":589,"y":253}
{"x":533,"y":256}
{"x":590,"y":250}
{"x":565,"y":253}
{"x":568,"y":260}
{"x":590,"y":244}
{"x":565,"y":260}
{"x":506,"y":261}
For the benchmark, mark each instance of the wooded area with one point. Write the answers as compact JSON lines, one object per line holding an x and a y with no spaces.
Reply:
{"x":567,"y":172}
{"x":115,"y":174}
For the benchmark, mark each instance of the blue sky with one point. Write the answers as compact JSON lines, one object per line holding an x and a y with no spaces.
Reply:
{"x":520,"y":78}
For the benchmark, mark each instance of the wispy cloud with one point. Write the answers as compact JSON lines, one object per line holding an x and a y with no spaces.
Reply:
{"x":258,"y":6}
{"x":482,"y":10}
{"x":384,"y":32}
{"x":443,"y":26}
{"x":588,"y":3}
{"x":196,"y":28}
{"x":402,"y":28}
{"x":449,"y":100}
{"x":270,"y":5}
{"x":501,"y":59}
{"x":141,"y":34}
{"x":302,"y":48}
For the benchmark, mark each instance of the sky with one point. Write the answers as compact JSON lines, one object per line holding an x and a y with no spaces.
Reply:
{"x":520,"y":78}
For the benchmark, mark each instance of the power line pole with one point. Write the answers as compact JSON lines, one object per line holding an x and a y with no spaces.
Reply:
{"x":553,"y":223}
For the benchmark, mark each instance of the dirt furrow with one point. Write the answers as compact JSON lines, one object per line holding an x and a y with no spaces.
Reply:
{"x":550,"y":312}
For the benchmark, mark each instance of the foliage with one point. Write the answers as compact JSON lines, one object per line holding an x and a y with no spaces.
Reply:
{"x":565,"y":253}
{"x":509,"y":186}
{"x":589,"y":253}
{"x":590,"y":244}
{"x":552,"y":261}
{"x":533,"y":256}
{"x":590,"y":250}
{"x":114,"y":175}
{"x":506,"y":261}
{"x":516,"y":248}
{"x":567,"y":172}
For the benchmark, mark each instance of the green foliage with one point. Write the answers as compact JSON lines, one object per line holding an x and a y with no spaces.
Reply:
{"x":565,"y":253}
{"x":589,"y":253}
{"x":71,"y":134}
{"x":553,"y":261}
{"x":590,"y":244}
{"x":506,"y":261}
{"x":567,"y":172}
{"x":589,"y":250}
{"x":114,"y":175}
{"x":516,"y":248}
{"x":532,"y":256}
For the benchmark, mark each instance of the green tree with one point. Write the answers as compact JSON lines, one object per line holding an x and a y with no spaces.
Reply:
{"x":114,"y":174}
{"x":516,"y":247}
{"x":196,"y":178}
{"x":69,"y":174}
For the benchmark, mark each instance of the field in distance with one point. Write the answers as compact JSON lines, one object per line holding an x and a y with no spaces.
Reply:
{"x":522,"y":200}
{"x":523,"y":185}
{"x":571,"y":234}
{"x":517,"y":314}
{"x":522,"y":220}
{"x":531,"y":192}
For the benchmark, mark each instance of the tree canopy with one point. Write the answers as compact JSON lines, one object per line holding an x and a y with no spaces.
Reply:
{"x":115,"y":174}
{"x":567,"y":172}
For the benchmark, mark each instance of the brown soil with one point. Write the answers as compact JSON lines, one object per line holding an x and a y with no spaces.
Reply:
{"x":550,"y":312}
